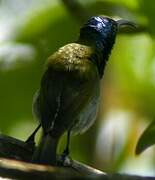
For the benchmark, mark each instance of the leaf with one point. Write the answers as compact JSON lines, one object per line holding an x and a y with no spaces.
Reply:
{"x":147,"y":138}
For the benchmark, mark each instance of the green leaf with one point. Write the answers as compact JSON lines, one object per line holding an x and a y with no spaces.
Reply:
{"x":147,"y":139}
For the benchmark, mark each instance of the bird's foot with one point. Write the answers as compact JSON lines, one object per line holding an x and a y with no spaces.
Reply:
{"x":30,"y":142}
{"x":64,"y":159}
{"x":31,"y":139}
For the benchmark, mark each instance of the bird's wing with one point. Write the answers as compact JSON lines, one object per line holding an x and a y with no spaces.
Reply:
{"x":67,"y":87}
{"x":63,"y":95}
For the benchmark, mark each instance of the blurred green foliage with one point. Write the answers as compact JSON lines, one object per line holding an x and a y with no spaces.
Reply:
{"x":30,"y":31}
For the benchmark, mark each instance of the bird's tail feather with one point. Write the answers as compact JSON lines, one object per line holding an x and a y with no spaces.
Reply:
{"x":46,"y":151}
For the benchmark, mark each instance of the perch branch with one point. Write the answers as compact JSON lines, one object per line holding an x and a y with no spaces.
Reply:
{"x":15,"y":150}
{"x":14,"y":169}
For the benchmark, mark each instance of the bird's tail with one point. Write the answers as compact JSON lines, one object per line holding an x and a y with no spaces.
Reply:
{"x":46,"y":151}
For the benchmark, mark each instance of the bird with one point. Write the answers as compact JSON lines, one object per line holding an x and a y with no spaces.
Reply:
{"x":69,"y":94}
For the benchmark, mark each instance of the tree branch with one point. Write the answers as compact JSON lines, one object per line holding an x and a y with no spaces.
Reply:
{"x":19,"y":150}
{"x":81,"y":14}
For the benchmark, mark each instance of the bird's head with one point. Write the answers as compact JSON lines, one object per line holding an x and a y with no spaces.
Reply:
{"x":100,"y":32}
{"x":103,"y":29}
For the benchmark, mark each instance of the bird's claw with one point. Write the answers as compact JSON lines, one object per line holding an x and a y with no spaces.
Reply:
{"x":64,"y":160}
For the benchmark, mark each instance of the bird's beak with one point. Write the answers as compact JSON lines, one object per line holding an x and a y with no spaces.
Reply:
{"x":123,"y":22}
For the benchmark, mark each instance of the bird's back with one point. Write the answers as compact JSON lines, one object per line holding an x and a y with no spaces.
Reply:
{"x":68,"y":97}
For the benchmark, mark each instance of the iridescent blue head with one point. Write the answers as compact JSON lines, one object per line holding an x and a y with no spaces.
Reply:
{"x":100,"y":32}
{"x":100,"y":28}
